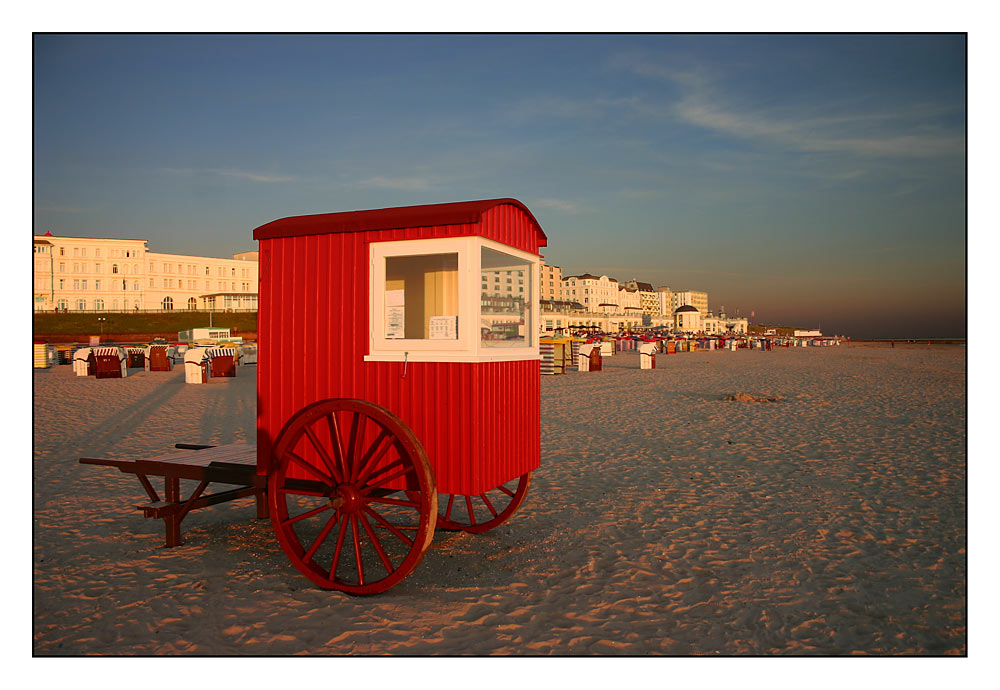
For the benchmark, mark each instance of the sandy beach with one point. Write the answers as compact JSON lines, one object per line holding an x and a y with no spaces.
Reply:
{"x":822,"y":512}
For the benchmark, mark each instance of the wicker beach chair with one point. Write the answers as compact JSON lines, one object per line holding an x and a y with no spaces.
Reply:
{"x":223,"y":362}
{"x":110,"y":363}
{"x":157,"y":359}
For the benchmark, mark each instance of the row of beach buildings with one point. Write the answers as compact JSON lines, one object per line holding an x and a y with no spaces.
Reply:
{"x":85,"y":274}
{"x":602,"y":303}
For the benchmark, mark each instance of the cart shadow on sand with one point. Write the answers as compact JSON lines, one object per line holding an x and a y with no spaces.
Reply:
{"x":104,"y":435}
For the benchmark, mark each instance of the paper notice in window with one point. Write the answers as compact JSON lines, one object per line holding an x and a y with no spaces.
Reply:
{"x":395,"y":320}
{"x":395,"y":298}
{"x":444,"y":328}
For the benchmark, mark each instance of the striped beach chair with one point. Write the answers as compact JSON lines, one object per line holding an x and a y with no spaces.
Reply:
{"x":222,"y":362}
{"x":135,"y":357}
{"x":110,"y":363}
{"x":158,"y":359}
{"x":552,"y":356}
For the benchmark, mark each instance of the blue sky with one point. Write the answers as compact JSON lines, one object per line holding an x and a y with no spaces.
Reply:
{"x":811,"y":179}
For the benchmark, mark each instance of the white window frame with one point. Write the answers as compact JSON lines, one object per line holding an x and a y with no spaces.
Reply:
{"x":382,"y":349}
{"x":467,"y":347}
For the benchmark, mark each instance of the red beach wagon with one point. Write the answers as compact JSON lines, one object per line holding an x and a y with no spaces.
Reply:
{"x":398,"y":381}
{"x":397,"y":389}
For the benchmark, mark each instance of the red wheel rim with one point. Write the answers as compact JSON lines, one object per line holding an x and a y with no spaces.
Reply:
{"x":480,"y":513}
{"x":352,"y":496}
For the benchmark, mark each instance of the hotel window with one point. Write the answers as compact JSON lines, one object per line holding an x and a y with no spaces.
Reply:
{"x":114,"y":268}
{"x":81,"y":304}
{"x":164,"y":282}
{"x":83,"y":251}
{"x":97,"y":285}
{"x":76,"y":251}
{"x":62,"y":267}
{"x":151,"y":283}
{"x":151,"y":266}
{"x":99,"y":304}
{"x":62,"y":284}
{"x":83,"y":284}
{"x":76,"y":268}
{"x":192,"y":303}
{"x":97,"y":251}
{"x":62,"y":304}
{"x":135,"y":268}
{"x":98,"y":267}
{"x":234,"y":273}
{"x":135,"y":285}
{"x":62,"y":251}
{"x":76,"y":284}
{"x":208,"y":271}
{"x":168,"y":303}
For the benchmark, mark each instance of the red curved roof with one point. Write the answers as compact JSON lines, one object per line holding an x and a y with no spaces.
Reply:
{"x":388,"y":219}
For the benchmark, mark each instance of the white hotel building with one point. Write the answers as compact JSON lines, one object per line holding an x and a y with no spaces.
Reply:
{"x":108,"y":274}
{"x":597,"y":294}
{"x":696,"y":299}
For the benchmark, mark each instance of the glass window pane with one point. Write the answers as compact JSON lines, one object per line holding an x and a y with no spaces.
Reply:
{"x":421,"y":297}
{"x":505,"y":319}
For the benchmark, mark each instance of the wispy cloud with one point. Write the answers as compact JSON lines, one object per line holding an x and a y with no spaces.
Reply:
{"x":229,"y":172}
{"x":581,"y":108}
{"x":703,"y":101}
{"x":255,"y":177}
{"x":560,"y":205}
{"x":406,"y":183}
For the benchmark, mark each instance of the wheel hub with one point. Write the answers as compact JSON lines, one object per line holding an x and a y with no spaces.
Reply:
{"x":347,"y":499}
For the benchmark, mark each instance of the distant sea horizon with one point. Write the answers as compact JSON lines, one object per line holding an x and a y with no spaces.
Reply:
{"x":911,"y":339}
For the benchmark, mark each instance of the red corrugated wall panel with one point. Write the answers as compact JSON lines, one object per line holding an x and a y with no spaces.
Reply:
{"x":478,"y":422}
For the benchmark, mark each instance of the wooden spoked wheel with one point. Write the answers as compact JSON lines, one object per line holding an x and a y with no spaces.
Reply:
{"x":352,"y":496}
{"x":480,"y":513}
